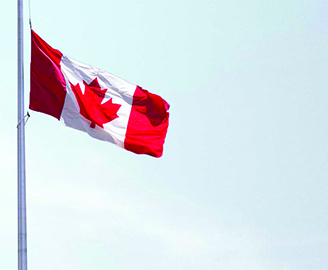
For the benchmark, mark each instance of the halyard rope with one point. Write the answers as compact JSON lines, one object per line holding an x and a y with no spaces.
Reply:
{"x":29,"y":14}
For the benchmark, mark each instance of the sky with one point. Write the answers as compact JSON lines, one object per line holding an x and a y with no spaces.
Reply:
{"x":242,"y":183}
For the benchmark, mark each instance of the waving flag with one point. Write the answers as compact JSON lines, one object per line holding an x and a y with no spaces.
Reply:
{"x":94,"y":101}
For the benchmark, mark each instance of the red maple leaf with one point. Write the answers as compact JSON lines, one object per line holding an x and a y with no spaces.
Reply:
{"x":91,"y":106}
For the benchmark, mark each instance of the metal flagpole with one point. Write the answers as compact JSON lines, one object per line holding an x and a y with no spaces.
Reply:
{"x":21,"y":188}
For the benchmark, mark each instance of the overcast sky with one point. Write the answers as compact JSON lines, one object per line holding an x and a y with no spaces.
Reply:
{"x":242,"y":183}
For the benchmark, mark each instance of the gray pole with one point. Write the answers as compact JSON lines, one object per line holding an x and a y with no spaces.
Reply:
{"x":21,"y":189}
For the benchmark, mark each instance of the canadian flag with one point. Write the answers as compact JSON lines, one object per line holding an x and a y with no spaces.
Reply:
{"x":94,"y":101}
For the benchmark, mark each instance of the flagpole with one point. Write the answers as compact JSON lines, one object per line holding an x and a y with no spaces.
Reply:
{"x":21,"y":188}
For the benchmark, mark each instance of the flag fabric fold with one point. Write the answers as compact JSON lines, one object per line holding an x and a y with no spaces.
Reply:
{"x":97,"y":102}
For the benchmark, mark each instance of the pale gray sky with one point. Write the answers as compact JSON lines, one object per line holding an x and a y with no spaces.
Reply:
{"x":242,"y":183}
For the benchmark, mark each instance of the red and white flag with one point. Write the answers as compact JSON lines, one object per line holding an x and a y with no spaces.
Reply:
{"x":94,"y":101}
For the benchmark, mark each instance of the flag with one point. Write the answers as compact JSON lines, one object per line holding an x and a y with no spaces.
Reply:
{"x":97,"y":102}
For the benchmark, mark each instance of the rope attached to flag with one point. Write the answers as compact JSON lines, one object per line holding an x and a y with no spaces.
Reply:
{"x":25,"y":119}
{"x":29,"y":14}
